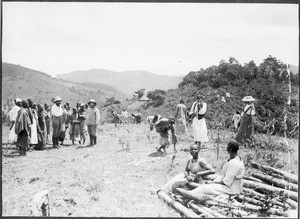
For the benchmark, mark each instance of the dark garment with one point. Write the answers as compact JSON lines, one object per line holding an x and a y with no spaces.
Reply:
{"x":22,"y":121}
{"x":23,"y":139}
{"x":57,"y":124}
{"x":246,"y":129}
{"x":41,"y":141}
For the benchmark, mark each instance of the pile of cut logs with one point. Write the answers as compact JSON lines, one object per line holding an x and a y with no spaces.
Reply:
{"x":267,"y":192}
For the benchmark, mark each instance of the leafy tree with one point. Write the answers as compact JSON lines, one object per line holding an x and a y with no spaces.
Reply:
{"x":140,"y":92}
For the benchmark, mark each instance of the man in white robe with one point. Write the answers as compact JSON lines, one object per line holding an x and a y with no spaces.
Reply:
{"x":198,"y":111}
{"x":12,"y":118}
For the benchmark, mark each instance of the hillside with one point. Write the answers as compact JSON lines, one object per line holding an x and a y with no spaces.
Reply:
{"x":267,"y":83}
{"x":127,"y":81}
{"x":18,"y":81}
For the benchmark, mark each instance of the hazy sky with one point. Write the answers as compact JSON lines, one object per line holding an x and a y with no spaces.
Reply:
{"x":163,"y":38}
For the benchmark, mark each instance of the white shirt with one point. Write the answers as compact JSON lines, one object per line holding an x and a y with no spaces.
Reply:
{"x":57,"y":111}
{"x":13,"y":113}
{"x":250,"y":111}
{"x":232,"y":175}
{"x":194,"y":108}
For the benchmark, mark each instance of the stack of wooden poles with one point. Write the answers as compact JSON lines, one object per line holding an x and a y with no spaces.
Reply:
{"x":266,"y":191}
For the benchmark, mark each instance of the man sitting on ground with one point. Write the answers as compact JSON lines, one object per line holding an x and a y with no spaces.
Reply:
{"x":229,"y":183}
{"x":195,"y":169}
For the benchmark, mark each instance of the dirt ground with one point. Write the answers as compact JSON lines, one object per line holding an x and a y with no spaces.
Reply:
{"x":117,"y":177}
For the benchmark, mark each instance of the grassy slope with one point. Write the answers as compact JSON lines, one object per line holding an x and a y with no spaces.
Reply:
{"x":18,"y":81}
{"x":106,"y":180}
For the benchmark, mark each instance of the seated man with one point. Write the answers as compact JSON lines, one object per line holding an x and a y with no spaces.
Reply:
{"x":196,"y":167}
{"x":229,"y":183}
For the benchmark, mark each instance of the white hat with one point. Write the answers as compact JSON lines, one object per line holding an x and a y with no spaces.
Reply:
{"x":92,"y":101}
{"x":57,"y":99}
{"x":18,"y":100}
{"x":248,"y":99}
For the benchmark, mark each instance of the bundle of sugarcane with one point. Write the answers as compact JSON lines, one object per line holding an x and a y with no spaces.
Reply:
{"x":268,"y":192}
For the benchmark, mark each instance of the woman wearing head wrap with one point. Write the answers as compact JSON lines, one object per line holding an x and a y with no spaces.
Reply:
{"x":246,"y":128}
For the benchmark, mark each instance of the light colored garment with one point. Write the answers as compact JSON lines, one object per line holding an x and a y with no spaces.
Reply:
{"x":180,"y":116}
{"x":33,"y":134}
{"x":13,"y":113}
{"x":236,"y":119}
{"x":180,"y":180}
{"x":92,"y":116}
{"x":232,"y":175}
{"x":57,"y":111}
{"x":250,"y":111}
{"x":199,"y":125}
{"x":12,"y":138}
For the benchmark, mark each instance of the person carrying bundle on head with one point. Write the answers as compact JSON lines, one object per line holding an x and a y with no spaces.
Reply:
{"x":163,"y":126}
{"x":92,"y":119}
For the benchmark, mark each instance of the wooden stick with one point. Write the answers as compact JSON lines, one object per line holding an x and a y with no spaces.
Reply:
{"x":200,"y":210}
{"x":210,"y":211}
{"x":290,"y":177}
{"x":252,"y":179}
{"x":277,"y":182}
{"x":267,"y":188}
{"x":176,"y":205}
{"x":292,"y":203}
{"x":253,"y":193}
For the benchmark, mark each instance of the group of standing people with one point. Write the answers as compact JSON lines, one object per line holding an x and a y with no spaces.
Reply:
{"x":178,"y":124}
{"x":30,"y":123}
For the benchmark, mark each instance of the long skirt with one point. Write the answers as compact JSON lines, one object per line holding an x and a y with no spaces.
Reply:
{"x":47,"y":131}
{"x":12,"y":138}
{"x":200,"y":130}
{"x":246,"y":130}
{"x":57,"y":124}
{"x":74,"y":132}
{"x":34,"y":135}
{"x":23,"y":139}
{"x":180,"y":126}
{"x":83,"y":130}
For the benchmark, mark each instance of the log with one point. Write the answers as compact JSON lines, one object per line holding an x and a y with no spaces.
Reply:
{"x":176,"y":205}
{"x":242,"y":198}
{"x":290,"y":177}
{"x":200,"y":210}
{"x":292,"y":203}
{"x":277,"y":182}
{"x":253,"y":193}
{"x":252,"y":179}
{"x":268,"y":188}
{"x":220,"y":210}
{"x":210,"y":176}
{"x":210,"y":211}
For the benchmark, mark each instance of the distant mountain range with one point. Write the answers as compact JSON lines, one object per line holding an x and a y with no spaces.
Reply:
{"x":22,"y":82}
{"x":126,"y":82}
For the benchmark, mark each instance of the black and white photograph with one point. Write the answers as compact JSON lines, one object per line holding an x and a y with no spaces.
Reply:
{"x":150,"y":109}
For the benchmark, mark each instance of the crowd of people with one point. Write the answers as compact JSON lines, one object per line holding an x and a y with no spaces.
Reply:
{"x":30,"y":123}
{"x":30,"y":128}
